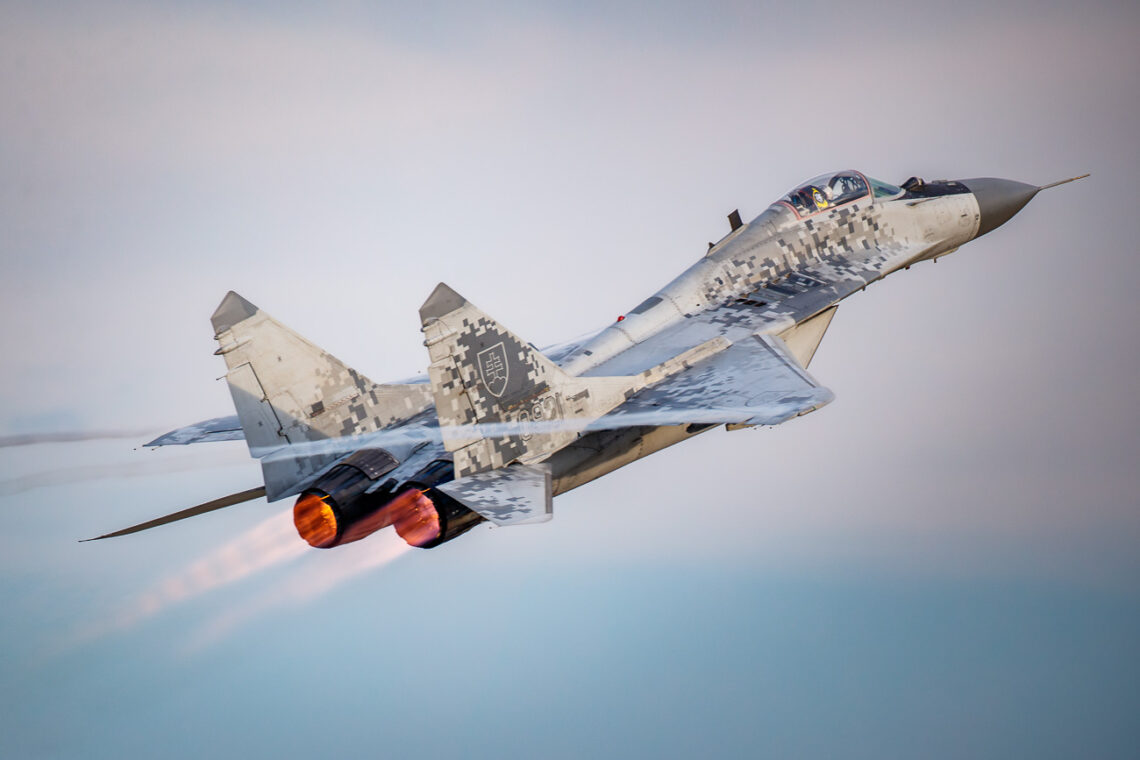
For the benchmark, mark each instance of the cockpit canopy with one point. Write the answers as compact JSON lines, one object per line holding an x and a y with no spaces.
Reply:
{"x":831,"y":190}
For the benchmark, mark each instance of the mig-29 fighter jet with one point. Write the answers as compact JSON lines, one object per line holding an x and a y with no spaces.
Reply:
{"x":497,"y":428}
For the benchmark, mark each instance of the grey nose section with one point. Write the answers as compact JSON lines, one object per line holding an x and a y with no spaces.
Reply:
{"x":998,"y":200}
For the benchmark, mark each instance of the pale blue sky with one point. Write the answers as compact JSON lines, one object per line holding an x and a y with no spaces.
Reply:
{"x":943,"y":562}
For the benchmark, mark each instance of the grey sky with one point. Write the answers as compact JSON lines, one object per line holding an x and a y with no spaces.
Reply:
{"x":947,"y":553}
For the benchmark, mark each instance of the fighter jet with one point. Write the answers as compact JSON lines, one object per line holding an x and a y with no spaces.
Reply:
{"x":497,"y":427}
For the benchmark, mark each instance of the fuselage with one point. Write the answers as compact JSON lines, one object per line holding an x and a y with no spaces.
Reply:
{"x":882,"y":232}
{"x":498,"y":426}
{"x":845,"y":245}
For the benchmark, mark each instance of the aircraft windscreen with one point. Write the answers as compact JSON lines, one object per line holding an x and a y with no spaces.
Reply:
{"x":883,"y":189}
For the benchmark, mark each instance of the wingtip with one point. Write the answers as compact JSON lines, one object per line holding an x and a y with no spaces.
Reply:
{"x":443,"y":300}
{"x":114,"y":534}
{"x":230,"y":311}
{"x":201,"y":509}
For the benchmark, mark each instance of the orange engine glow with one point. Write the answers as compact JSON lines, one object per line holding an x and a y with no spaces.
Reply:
{"x":315,"y":521}
{"x":415,"y":517}
{"x":318,"y":520}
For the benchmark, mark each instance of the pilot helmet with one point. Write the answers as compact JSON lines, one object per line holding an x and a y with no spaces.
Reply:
{"x":819,"y":198}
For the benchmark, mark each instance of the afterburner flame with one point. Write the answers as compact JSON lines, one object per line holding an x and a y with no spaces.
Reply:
{"x":319,"y":520}
{"x":315,"y":521}
{"x":415,"y":517}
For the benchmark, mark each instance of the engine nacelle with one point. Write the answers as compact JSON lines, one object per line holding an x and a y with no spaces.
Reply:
{"x":432,"y":517}
{"x":338,"y":509}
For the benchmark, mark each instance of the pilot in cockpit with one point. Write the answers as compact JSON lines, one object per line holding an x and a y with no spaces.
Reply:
{"x":821,"y":201}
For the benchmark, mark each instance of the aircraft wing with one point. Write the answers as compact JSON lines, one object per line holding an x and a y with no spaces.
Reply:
{"x":755,"y":381}
{"x":217,"y":429}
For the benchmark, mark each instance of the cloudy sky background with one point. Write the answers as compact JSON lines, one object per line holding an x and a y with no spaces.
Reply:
{"x":943,"y":562}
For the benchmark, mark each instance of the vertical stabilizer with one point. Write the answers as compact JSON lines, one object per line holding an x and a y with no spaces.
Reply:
{"x":287,"y":390}
{"x":483,"y":374}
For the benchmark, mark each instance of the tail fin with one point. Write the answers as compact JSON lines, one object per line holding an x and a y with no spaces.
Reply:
{"x":482,"y":374}
{"x":286,"y":390}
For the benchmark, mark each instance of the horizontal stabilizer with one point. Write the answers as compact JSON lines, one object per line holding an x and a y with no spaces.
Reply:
{"x":513,"y":495}
{"x":201,"y":509}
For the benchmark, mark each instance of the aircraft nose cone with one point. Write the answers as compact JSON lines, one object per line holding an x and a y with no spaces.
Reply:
{"x":998,"y":200}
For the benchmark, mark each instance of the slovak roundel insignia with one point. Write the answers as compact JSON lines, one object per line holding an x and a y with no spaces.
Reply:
{"x":494,"y":369}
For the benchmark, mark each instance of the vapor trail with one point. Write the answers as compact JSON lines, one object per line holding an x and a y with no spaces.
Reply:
{"x":144,"y":466}
{"x":326,"y":571}
{"x":271,"y":542}
{"x":70,"y":436}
